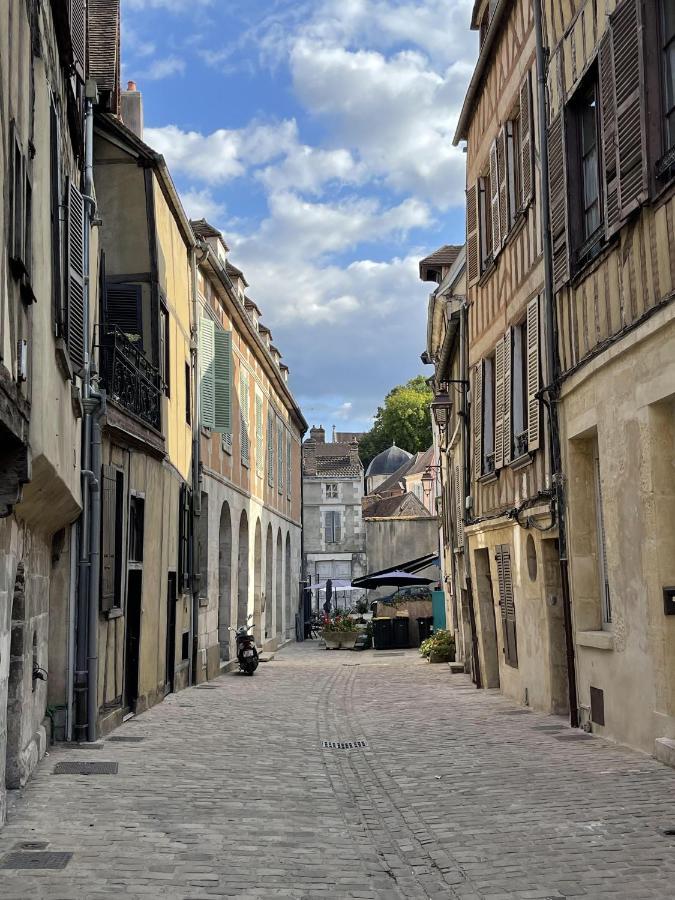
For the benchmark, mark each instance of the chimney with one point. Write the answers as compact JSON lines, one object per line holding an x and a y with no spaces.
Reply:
{"x":132,"y":109}
{"x":354,"y":453}
{"x":309,"y":457}
{"x":334,"y":434}
{"x":318,"y":434}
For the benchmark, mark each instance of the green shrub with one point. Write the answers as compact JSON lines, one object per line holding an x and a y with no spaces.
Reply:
{"x":441,"y":645}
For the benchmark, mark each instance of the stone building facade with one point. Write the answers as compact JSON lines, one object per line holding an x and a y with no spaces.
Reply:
{"x":251,"y":515}
{"x":334,"y":537}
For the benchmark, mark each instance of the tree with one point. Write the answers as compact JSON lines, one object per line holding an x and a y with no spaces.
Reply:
{"x":404,"y":420}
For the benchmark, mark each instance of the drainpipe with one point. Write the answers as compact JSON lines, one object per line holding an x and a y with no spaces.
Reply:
{"x":466,"y":446}
{"x":553,"y":369}
{"x":94,"y":567}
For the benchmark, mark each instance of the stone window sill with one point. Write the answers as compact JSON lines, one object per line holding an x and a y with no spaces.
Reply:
{"x":488,"y":478}
{"x":521,"y":462}
{"x":599,"y":640}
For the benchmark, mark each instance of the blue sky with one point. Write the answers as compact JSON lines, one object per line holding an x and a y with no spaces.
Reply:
{"x":317,"y":137}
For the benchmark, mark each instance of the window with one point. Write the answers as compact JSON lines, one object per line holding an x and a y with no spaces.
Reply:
{"x":513,"y":189}
{"x":603,"y":575}
{"x":164,"y":365}
{"x":136,"y":527}
{"x":270,"y":448}
{"x":587,"y":113}
{"x":112,"y":534}
{"x":280,"y":457}
{"x":259,"y":437}
{"x":215,"y":376}
{"x":333,"y":528}
{"x":668,"y":73}
{"x":55,"y":186}
{"x":331,"y":492}
{"x":488,"y":411}
{"x":289,"y":461}
{"x":507,"y":603}
{"x":188,"y":394}
{"x":484,"y":222}
{"x":244,"y":419}
{"x":519,"y":391}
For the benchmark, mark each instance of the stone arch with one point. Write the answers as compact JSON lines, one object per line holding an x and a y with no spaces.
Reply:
{"x":279,"y":607}
{"x":242,"y":570}
{"x":269,"y":574}
{"x":290,"y":618}
{"x":224,"y":580}
{"x":257,"y":583}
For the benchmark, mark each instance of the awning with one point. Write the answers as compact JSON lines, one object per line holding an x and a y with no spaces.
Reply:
{"x":412,"y":565}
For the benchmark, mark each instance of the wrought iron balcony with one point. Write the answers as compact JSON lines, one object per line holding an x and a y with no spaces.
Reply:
{"x":131,"y":381}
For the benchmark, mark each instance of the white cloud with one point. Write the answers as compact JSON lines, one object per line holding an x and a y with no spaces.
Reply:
{"x":163,"y":68}
{"x":171,"y":5}
{"x":201,"y":204}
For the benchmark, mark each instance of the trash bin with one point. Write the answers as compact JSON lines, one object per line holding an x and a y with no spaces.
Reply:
{"x":400,"y":632}
{"x":382,"y":633}
{"x":425,"y":626}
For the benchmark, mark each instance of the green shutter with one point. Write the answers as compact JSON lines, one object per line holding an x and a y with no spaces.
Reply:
{"x":207,"y":386}
{"x":270,"y":448}
{"x":244,"y":419}
{"x":222,"y":370}
{"x":259,"y":441}
{"x":280,"y":457}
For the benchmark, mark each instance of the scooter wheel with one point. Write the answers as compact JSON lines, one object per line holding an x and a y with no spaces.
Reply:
{"x":250,"y":671}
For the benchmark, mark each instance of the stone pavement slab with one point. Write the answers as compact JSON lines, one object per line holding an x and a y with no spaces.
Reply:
{"x":230,"y":794}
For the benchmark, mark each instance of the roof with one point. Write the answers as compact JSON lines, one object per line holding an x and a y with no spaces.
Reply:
{"x":441,"y":258}
{"x":204,"y":230}
{"x":421,"y":462}
{"x":103,"y":46}
{"x":331,"y":460}
{"x":251,"y":304}
{"x":405,"y":506}
{"x":233,"y":270}
{"x":394,"y":480}
{"x":346,"y":437}
{"x":388,"y":461}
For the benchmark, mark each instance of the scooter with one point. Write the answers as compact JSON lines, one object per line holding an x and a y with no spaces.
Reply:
{"x":247,"y":654}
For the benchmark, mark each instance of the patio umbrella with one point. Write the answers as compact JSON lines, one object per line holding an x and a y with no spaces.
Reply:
{"x":329,"y":595}
{"x":395,"y":579}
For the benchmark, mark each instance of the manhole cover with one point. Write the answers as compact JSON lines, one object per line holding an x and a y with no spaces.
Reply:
{"x":568,"y":738}
{"x":127,"y":738}
{"x":21,"y":860}
{"x":343,"y":745}
{"x":74,"y":767}
{"x":31,"y":845}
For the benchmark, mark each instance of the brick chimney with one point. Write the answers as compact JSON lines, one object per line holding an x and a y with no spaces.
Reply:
{"x":132,"y":109}
{"x":354,"y":453}
{"x":309,"y":457}
{"x":318,"y":434}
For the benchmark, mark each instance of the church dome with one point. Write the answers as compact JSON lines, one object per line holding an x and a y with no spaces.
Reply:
{"x":388,"y":462}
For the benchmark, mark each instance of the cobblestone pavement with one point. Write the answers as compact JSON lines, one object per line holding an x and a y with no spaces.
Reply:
{"x":459,"y":794}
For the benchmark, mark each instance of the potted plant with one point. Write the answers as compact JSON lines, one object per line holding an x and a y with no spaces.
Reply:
{"x":339,"y":633}
{"x":439,"y":648}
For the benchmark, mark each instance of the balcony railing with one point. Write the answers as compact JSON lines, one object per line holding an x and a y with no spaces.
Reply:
{"x":131,"y":381}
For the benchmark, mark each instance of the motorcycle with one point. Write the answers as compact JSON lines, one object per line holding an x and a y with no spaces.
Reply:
{"x":247,"y":653}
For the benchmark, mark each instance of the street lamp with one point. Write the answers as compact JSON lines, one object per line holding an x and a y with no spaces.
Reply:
{"x":440,"y":407}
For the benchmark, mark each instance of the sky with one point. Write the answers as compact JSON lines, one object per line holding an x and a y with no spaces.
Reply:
{"x":317,"y":136}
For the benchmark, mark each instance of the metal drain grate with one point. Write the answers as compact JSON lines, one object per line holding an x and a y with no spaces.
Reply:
{"x":127,"y":738}
{"x":344,"y":745}
{"x":86,"y":767}
{"x":21,"y":860}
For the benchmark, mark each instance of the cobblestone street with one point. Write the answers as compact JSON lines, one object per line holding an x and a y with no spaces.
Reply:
{"x":457,"y":794}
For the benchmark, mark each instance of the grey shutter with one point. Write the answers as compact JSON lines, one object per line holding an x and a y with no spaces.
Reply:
{"x":557,"y":178}
{"x":533,"y":366}
{"x":626,"y":30}
{"x":259,"y":437}
{"x":289,"y":463}
{"x":472,"y":248}
{"x":207,"y":383}
{"x":503,"y":192}
{"x":459,"y":508}
{"x":337,"y":527}
{"x":506,"y":602}
{"x":609,"y":147}
{"x":222,"y":378}
{"x":108,"y":536}
{"x":506,"y":415}
{"x":280,"y":457}
{"x":185,"y":530}
{"x":55,"y":183}
{"x":17,"y":184}
{"x":78,"y":30}
{"x":478,"y":420}
{"x":75,"y":310}
{"x":328,"y":528}
{"x":494,"y":201}
{"x":244,"y":419}
{"x":526,"y":142}
{"x":123,"y":309}
{"x":270,"y":447}
{"x":499,"y":404}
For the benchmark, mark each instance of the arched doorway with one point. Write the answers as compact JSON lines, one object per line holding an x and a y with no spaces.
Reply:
{"x":290,"y":617}
{"x":269,"y":574}
{"x":242,"y":570}
{"x":257,"y":583}
{"x":279,"y":610}
{"x":224,"y":580}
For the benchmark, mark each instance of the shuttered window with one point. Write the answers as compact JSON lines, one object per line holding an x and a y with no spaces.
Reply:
{"x":289,"y":461}
{"x":504,"y":223}
{"x":280,"y":457}
{"x":215,"y":373}
{"x":78,"y":30}
{"x":526,"y":139}
{"x":56,"y":199}
{"x":478,"y":420}
{"x":459,"y":508}
{"x":244,"y":419}
{"x":259,"y":437}
{"x":488,"y":440}
{"x":507,"y":603}
{"x":519,"y":404}
{"x":557,"y":176}
{"x":512,"y":173}
{"x":332,"y":527}
{"x":609,"y":149}
{"x":112,"y":531}
{"x":533,"y":376}
{"x":184,"y":538}
{"x":484,"y":223}
{"x":472,"y":240}
{"x":499,"y":406}
{"x":123,"y":310}
{"x":270,"y":447}
{"x":507,"y":343}
{"x":494,"y":201}
{"x":75,"y":303}
{"x":21,"y":208}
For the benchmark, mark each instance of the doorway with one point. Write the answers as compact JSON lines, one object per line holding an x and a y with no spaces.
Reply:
{"x":556,"y":627}
{"x":171,"y":600}
{"x":488,"y":621}
{"x":132,"y":640}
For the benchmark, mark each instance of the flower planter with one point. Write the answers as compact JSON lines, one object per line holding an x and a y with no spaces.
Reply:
{"x":340,"y":640}
{"x":441,"y":657}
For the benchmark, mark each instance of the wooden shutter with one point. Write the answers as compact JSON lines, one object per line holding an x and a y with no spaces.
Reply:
{"x":557,"y":178}
{"x":108,"y":536}
{"x":459,"y":508}
{"x":222,"y":377}
{"x":525,"y":127}
{"x":328,"y":528}
{"x":207,"y":385}
{"x":337,"y":527}
{"x":494,"y":201}
{"x":280,"y":457}
{"x":608,"y":127}
{"x":506,"y":414}
{"x":55,"y":185}
{"x":478,"y":420}
{"x":123,"y":309}
{"x":184,"y":554}
{"x":244,"y":419}
{"x":75,"y":245}
{"x":78,"y":29}
{"x":512,"y":163}
{"x":533,"y":406}
{"x":499,"y":404}
{"x":259,"y":437}
{"x":506,"y":602}
{"x":270,"y":448}
{"x":626,"y":30}
{"x":472,"y":248}
{"x":16,"y":184}
{"x":289,"y":463}
{"x":503,"y":191}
